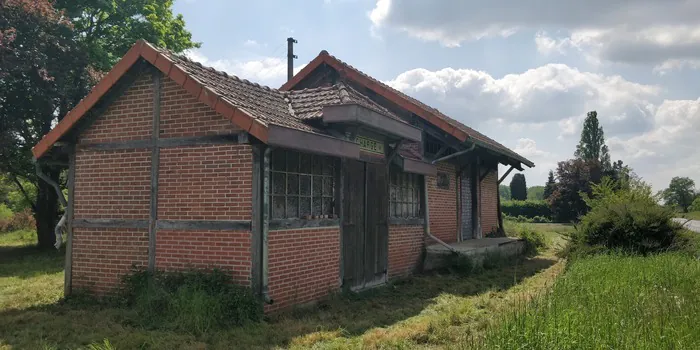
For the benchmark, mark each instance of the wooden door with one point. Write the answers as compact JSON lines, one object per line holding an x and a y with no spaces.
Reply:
{"x":365,"y":224}
{"x":466,"y":212}
{"x":377,"y":233}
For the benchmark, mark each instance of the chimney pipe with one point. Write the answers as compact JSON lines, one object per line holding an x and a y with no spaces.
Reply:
{"x":290,"y":57}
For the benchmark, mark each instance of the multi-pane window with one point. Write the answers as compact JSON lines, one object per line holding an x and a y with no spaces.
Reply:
{"x":301,"y":185}
{"x":404,"y":195}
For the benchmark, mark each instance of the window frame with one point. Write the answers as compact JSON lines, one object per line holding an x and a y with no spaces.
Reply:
{"x":405,"y":190}
{"x":320,"y":168}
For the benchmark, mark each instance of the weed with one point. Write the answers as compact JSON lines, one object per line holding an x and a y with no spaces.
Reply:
{"x":192,"y":301}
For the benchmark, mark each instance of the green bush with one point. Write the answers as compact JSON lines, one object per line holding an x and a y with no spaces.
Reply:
{"x":628,"y":219}
{"x":523,"y":219}
{"x":695,"y":206}
{"x":192,"y":301}
{"x":5,"y":217}
{"x":529,"y":208}
{"x":534,"y":241}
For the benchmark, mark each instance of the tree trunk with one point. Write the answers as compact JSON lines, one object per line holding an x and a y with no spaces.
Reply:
{"x":47,"y":210}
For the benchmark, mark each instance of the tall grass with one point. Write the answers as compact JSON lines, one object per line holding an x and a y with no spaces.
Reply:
{"x":611,"y":302}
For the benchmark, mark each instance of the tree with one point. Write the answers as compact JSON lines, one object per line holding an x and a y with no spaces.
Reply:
{"x":518,"y":187}
{"x":575,"y":177}
{"x":592,"y":144}
{"x":49,"y":58}
{"x":504,"y":192}
{"x":680,"y":193}
{"x":549,"y":185}
{"x":535,"y":193}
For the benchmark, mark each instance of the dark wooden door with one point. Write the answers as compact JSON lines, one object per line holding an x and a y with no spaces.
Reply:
{"x":467,"y":214}
{"x":365,"y":224}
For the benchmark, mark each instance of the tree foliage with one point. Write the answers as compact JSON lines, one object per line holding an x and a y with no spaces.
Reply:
{"x":592,"y":145}
{"x":535,"y":193}
{"x":504,"y":192}
{"x":51,"y":53}
{"x":575,"y":177}
{"x":518,"y":187}
{"x":549,"y":186}
{"x":680,"y":193}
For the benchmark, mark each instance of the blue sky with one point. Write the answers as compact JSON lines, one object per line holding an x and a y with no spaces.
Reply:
{"x":523,"y":72}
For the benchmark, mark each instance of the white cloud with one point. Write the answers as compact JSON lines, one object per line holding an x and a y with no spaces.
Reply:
{"x":528,"y":148}
{"x":539,"y":113}
{"x":670,"y":148}
{"x":548,"y":93}
{"x":271,"y":71}
{"x":664,"y":34}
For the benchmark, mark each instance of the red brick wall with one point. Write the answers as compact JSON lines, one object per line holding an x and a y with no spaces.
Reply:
{"x":443,"y":205}
{"x":205,"y":183}
{"x":489,"y":204}
{"x":196,"y":183}
{"x":304,"y":265}
{"x":226,"y":250}
{"x":112,"y":184}
{"x":405,"y":249}
{"x":102,"y":255}
{"x":183,"y":115}
{"x":129,"y":117}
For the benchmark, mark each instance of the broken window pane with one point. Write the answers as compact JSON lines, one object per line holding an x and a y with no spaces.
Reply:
{"x":327,"y":186}
{"x":317,"y":206}
{"x":327,"y":205}
{"x":279,"y":183}
{"x":292,"y":207}
{"x":317,"y":186}
{"x":304,"y":206}
{"x":292,"y":184}
{"x":278,"y":211}
{"x":305,"y":185}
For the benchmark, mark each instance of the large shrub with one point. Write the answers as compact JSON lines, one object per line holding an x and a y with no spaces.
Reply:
{"x":528,"y":208}
{"x":628,"y":219}
{"x":192,"y":301}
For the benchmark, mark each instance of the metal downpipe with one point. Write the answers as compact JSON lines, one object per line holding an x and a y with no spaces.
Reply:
{"x":427,"y":218}
{"x":62,"y":222}
{"x":266,"y":225}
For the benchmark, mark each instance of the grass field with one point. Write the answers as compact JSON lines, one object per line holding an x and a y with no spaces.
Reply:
{"x":430,"y":310}
{"x":695,"y":215}
{"x":608,"y":301}
{"x":611,"y":302}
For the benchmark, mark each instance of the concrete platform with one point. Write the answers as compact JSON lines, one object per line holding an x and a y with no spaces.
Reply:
{"x":505,"y":247}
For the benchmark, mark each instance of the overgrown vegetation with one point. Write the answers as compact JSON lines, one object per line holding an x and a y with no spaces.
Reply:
{"x":535,"y":241}
{"x":610,"y":301}
{"x":194,"y":301}
{"x":436,"y":310}
{"x":625,"y":218}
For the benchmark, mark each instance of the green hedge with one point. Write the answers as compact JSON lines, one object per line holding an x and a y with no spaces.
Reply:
{"x":529,"y":208}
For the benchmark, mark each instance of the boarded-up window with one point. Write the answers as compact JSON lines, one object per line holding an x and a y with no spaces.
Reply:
{"x":404,"y":195}
{"x":302,"y":185}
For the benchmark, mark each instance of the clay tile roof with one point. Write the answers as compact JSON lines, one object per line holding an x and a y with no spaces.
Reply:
{"x":261,"y":102}
{"x":309,"y":103}
{"x":471,"y":134}
{"x":249,"y":105}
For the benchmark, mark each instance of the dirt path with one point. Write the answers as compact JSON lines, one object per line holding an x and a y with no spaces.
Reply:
{"x":693,"y":225}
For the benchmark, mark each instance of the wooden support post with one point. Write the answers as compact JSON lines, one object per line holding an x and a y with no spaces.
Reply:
{"x":505,"y":174}
{"x":155,"y":162}
{"x":68,"y":267}
{"x":256,"y":232}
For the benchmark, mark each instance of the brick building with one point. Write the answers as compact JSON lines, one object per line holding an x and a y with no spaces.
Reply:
{"x":333,"y":181}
